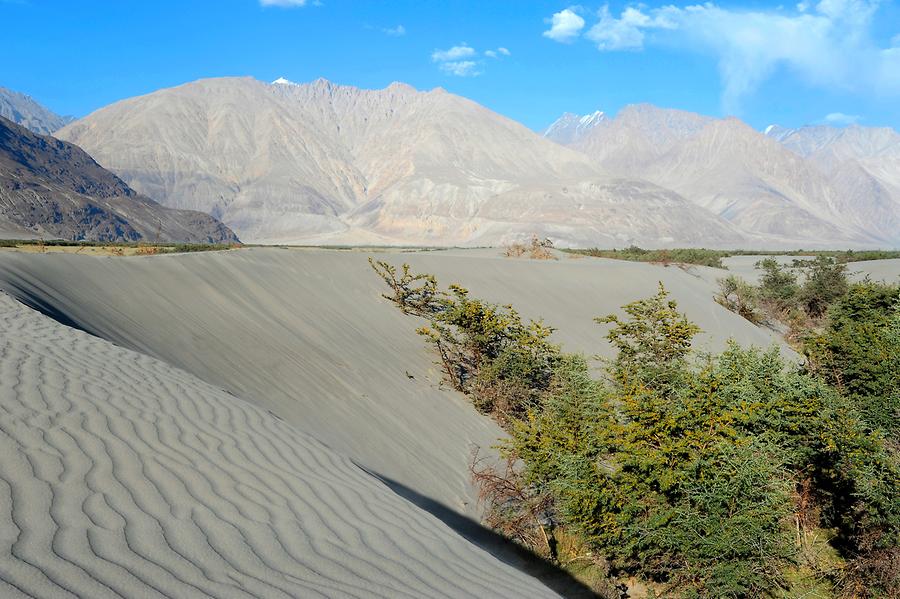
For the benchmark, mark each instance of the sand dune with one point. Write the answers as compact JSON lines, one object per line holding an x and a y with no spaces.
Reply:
{"x":124,"y":476}
{"x":139,"y":462}
{"x":305,"y":334}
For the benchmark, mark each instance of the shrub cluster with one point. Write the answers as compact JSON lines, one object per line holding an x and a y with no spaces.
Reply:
{"x":704,"y":476}
{"x":536,"y":249}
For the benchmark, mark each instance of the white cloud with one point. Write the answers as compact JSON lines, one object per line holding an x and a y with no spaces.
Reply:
{"x":283,"y":3}
{"x":461,"y":68}
{"x":626,"y":32}
{"x":394,"y":31}
{"x":828,"y":44}
{"x":839,"y":118}
{"x":565,"y":25}
{"x":501,"y":51}
{"x":454,"y":53}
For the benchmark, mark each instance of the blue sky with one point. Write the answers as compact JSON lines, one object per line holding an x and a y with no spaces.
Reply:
{"x":792,"y":64}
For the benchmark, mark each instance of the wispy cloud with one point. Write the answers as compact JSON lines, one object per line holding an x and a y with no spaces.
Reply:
{"x":829,"y":44}
{"x":461,"y":68}
{"x":455,"y":53}
{"x":565,"y":25}
{"x":284,"y":3}
{"x":501,"y":51}
{"x":459,"y":61}
{"x":465,"y":61}
{"x":397,"y":31}
{"x":839,"y":118}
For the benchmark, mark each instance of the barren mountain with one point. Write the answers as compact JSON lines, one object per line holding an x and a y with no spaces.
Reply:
{"x":24,"y":110}
{"x":862,"y":163}
{"x":54,"y":189}
{"x":320,"y":162}
{"x":750,"y":179}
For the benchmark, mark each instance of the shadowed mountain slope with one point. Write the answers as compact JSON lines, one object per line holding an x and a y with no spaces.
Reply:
{"x":51,"y":188}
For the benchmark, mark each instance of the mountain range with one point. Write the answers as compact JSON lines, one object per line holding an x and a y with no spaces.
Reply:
{"x":53,"y":189}
{"x":26,"y":111}
{"x":324,"y":163}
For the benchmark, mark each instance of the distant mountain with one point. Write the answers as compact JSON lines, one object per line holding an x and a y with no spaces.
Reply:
{"x":324,"y":163}
{"x":53,"y":189}
{"x":24,"y":110}
{"x":570,"y":127}
{"x":319,"y":162}
{"x":861,"y":163}
{"x":757,"y":182}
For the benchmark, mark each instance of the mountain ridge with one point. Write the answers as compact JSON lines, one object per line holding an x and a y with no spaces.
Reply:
{"x":320,"y":162}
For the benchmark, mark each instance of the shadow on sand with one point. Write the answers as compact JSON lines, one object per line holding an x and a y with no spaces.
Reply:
{"x":499,"y":546}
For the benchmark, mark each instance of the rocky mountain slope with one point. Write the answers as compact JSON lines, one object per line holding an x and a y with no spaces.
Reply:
{"x":326,"y":163}
{"x":54,"y":189}
{"x":862,"y":164}
{"x":24,"y":110}
{"x":774,"y":188}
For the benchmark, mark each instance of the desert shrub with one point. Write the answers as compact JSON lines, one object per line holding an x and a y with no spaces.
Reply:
{"x":536,"y":249}
{"x":483,"y":347}
{"x":699,"y":256}
{"x":825,"y":281}
{"x":740,"y":297}
{"x":652,"y":342}
{"x":704,"y":475}
{"x":778,"y":285}
{"x":858,"y":352}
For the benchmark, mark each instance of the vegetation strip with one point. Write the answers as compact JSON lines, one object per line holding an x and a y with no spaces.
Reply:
{"x":713,"y":258}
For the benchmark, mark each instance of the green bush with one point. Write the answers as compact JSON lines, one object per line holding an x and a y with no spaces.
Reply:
{"x":740,"y":297}
{"x":825,"y":281}
{"x":702,"y":475}
{"x":777,"y":285}
{"x":858,"y":352}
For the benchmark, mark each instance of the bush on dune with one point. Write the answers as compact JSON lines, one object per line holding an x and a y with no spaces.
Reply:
{"x":704,"y":476}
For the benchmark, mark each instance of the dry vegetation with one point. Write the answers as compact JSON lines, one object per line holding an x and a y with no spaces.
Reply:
{"x":90,"y":248}
{"x":536,"y":249}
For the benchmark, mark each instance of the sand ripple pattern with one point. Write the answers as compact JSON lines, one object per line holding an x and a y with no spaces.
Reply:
{"x":122,"y":476}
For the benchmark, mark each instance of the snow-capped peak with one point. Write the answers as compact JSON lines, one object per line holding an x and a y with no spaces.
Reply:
{"x":591,"y":119}
{"x":768,"y":129}
{"x":570,"y":128}
{"x":283,"y":81}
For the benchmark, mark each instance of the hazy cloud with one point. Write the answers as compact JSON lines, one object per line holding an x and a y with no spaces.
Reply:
{"x":501,"y":51}
{"x":839,"y":118}
{"x":829,"y":44}
{"x":461,"y":68}
{"x":283,"y":3}
{"x":394,"y":31}
{"x":565,"y":25}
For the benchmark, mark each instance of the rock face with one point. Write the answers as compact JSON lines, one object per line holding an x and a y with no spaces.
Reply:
{"x":54,"y":189}
{"x":24,"y":110}
{"x":326,"y":163}
{"x":783,"y":186}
